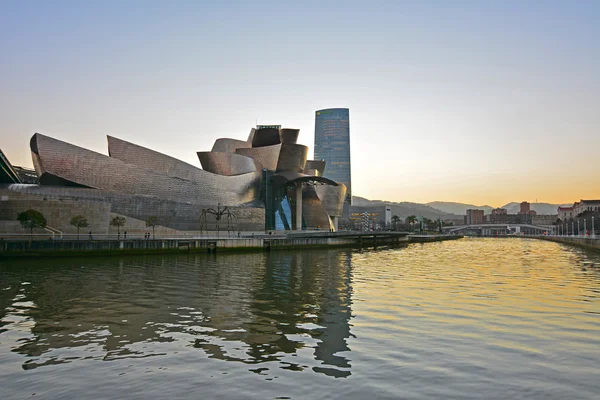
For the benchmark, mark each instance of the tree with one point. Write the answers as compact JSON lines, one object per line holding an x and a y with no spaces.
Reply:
{"x":79,"y":221}
{"x":411,"y":221}
{"x":395,"y":221}
{"x":427,"y":223}
{"x":118,"y":222}
{"x":152,"y":221}
{"x":31,"y":219}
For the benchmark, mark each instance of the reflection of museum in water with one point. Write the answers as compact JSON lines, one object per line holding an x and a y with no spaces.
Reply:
{"x":266,"y":181}
{"x":250,"y":309}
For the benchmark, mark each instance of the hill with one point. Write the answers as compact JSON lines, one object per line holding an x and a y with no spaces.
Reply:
{"x":540,"y":208}
{"x":405,"y":208}
{"x":458,"y":208}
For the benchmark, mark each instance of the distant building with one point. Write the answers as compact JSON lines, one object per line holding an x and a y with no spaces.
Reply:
{"x":565,"y":213}
{"x":499,"y":211}
{"x":544,"y":219}
{"x":474,"y":217}
{"x":376,"y":217}
{"x":525,"y":208}
{"x":509,"y":219}
{"x":586,"y":205}
{"x":332,"y":144}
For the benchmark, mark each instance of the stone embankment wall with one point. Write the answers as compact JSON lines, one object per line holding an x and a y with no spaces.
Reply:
{"x":84,"y":246}
{"x":584,"y":242}
{"x":58,"y":214}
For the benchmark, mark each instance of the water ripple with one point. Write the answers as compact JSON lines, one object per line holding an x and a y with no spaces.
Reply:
{"x":498,"y":318}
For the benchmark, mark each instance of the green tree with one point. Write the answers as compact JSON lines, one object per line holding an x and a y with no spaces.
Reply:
{"x":395,"y":221}
{"x":31,"y":219}
{"x":411,"y":221}
{"x":152,"y":221}
{"x":427,"y":223}
{"x":118,"y":222}
{"x":79,"y":221}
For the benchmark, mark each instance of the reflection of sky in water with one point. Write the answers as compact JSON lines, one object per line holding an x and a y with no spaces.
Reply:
{"x":494,"y":317}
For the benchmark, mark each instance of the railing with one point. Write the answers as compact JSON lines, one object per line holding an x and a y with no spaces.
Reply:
{"x":57,"y":235}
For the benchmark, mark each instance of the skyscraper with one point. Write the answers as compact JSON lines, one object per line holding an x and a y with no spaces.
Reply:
{"x":332,"y":144}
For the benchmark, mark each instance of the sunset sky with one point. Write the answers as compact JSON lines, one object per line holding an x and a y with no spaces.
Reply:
{"x":479,"y":102}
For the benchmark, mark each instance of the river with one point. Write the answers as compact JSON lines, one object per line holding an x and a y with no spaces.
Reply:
{"x":470,"y":318}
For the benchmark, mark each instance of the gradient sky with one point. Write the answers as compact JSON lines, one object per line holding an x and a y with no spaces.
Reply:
{"x":483,"y":102}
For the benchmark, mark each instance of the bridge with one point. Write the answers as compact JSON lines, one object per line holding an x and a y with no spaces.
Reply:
{"x":500,"y":229}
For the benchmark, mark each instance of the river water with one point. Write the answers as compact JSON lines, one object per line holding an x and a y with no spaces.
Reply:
{"x":472,"y":318}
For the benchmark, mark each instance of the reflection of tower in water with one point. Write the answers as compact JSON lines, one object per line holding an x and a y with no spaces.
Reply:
{"x":274,"y":305}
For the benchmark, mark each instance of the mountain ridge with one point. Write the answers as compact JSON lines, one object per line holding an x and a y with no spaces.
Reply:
{"x":449,"y":209}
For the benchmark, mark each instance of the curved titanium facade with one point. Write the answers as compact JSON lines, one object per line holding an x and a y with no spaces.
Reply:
{"x":289,"y":136}
{"x":90,"y":169}
{"x":332,"y":198}
{"x":153,"y":160}
{"x":314,"y":167}
{"x":229,"y":145}
{"x":332,"y":144}
{"x":265,"y":137}
{"x":228,"y":164}
{"x":266,"y":156}
{"x":313,"y":212}
{"x":292,"y":157}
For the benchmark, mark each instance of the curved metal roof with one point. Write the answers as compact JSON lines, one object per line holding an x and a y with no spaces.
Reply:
{"x":289,"y":177}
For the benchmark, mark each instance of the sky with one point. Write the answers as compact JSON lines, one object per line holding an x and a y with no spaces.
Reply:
{"x":482,"y":102}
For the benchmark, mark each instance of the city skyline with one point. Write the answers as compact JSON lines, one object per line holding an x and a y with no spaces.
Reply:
{"x":474,"y":103}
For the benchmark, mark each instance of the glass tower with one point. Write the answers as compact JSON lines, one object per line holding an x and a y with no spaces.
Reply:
{"x":332,"y":144}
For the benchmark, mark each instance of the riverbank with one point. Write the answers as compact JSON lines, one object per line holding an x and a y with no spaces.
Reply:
{"x":583,"y":242}
{"x":432,"y":238}
{"x":288,"y":241}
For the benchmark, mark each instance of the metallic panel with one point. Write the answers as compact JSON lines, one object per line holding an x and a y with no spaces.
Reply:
{"x":314,"y":167}
{"x":226,"y":145}
{"x":227,"y":164}
{"x":266,"y":156}
{"x":266,"y":137}
{"x":332,"y":198}
{"x":91,"y":169}
{"x":251,"y":135}
{"x":313,"y":212}
{"x":131,"y":153}
{"x":292,"y":157}
{"x":7,"y":172}
{"x":289,"y":136}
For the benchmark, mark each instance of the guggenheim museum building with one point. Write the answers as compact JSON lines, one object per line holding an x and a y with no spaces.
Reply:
{"x":266,"y":182}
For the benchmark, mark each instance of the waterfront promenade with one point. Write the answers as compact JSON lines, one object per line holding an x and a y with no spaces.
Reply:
{"x":11,"y":247}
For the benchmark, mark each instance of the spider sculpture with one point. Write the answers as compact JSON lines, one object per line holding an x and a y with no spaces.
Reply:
{"x":219,"y":214}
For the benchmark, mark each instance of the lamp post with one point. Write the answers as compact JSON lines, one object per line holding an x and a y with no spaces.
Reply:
{"x":572,"y":228}
{"x":578,"y":231}
{"x":593,"y":231}
{"x":585,"y":227}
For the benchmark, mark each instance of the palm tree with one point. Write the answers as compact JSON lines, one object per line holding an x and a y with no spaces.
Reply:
{"x":395,"y":220}
{"x":411,"y":221}
{"x":118,"y":222}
